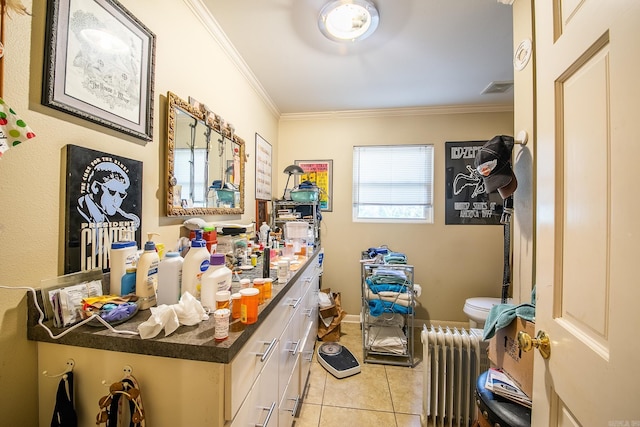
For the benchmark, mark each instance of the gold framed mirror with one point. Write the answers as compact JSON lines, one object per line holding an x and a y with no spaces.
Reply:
{"x":205,"y":162}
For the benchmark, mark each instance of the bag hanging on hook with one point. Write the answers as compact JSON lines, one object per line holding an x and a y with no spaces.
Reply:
{"x":64,"y":413}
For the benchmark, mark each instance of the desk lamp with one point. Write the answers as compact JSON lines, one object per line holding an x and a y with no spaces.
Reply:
{"x":291,"y":170}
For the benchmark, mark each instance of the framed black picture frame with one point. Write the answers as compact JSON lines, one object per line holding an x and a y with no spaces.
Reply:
{"x":103,"y":204}
{"x":466,"y":202}
{"x":99,"y":65}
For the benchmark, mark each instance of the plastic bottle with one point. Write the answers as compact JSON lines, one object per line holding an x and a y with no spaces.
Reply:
{"x":249,"y":305}
{"x":216,"y":278}
{"x":196,"y":262}
{"x":170,"y":278}
{"x":147,"y":275}
{"x":129,"y":282}
{"x":264,"y":233}
{"x":121,"y":256}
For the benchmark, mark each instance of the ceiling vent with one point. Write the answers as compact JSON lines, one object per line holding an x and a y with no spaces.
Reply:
{"x":497,"y":87}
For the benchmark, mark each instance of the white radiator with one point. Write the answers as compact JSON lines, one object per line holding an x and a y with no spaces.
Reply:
{"x":453,"y":360}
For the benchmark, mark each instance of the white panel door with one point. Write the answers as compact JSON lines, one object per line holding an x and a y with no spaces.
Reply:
{"x":587,"y":237}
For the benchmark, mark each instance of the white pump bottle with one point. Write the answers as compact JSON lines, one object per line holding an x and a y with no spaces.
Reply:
{"x":147,"y":275}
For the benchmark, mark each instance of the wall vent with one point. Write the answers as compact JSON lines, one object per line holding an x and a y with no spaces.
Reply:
{"x":498,"y":87}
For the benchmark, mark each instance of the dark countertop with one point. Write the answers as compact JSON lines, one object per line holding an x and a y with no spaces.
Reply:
{"x":187,"y":342}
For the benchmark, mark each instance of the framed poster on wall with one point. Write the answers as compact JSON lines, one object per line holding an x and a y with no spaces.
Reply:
{"x":320,"y":172}
{"x":465,"y":199}
{"x":103,"y":204}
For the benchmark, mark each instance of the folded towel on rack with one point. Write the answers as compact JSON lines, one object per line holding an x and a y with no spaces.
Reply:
{"x":377,"y":307}
{"x":393,"y":297}
{"x":389,"y":339}
{"x":395,"y":258}
{"x":387,"y":276}
{"x":386,"y":287}
{"x":388,"y":319}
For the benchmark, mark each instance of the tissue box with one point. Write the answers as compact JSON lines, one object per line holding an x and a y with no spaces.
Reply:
{"x":505,"y":354}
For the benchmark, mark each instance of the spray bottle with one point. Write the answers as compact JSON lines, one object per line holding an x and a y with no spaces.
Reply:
{"x":147,"y":274}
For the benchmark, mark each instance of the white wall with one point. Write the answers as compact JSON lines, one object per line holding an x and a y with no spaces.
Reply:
{"x":188,"y":62}
{"x":452,"y":262}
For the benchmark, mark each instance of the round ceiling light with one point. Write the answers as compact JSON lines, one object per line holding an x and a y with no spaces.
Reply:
{"x":348,"y":20}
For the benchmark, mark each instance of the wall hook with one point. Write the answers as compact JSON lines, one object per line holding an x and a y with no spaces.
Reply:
{"x":69,"y":368}
{"x":127,"y":370}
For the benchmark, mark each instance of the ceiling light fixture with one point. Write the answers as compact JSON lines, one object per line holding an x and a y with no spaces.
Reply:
{"x":348,"y":20}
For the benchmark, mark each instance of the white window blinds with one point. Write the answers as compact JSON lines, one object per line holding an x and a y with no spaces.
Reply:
{"x":393,"y":183}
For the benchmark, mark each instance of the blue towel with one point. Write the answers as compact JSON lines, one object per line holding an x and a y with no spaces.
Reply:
{"x":387,"y":287}
{"x":501,"y":315}
{"x":377,"y":307}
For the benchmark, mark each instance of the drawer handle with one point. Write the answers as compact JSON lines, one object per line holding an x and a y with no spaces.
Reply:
{"x":295,"y":348}
{"x":294,"y":410}
{"x":263,"y":356}
{"x":266,"y":421}
{"x":295,"y":304}
{"x":309,"y":357}
{"x":308,"y":312}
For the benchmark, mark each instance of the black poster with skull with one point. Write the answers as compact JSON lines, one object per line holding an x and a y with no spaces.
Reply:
{"x":103,"y":204}
{"x":465,"y":199}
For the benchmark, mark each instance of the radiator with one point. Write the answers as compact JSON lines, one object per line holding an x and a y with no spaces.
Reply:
{"x":453,"y":360}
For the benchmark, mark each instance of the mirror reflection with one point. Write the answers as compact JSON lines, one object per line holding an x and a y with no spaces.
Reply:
{"x":204,"y":162}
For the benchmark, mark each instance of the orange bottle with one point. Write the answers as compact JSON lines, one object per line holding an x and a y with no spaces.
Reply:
{"x":249,"y":305}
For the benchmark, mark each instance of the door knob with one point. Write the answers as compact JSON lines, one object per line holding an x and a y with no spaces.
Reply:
{"x":541,"y":342}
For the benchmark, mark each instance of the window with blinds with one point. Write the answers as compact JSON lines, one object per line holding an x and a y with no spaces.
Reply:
{"x":193,"y":175}
{"x":393,"y":183}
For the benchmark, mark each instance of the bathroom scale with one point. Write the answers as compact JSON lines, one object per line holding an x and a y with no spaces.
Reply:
{"x":337,"y":359}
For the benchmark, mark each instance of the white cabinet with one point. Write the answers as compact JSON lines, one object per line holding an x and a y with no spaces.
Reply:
{"x":260,"y":407}
{"x":276,"y":358}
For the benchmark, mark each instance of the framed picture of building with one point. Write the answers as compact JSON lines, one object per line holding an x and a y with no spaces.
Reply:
{"x":99,"y":65}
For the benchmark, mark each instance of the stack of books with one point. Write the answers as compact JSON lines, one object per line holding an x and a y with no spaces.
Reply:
{"x":499,"y":383}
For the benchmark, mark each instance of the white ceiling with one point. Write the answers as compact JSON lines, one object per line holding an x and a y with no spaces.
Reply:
{"x":425,"y":53}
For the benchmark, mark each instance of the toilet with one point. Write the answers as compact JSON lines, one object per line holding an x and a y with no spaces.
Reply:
{"x":477,"y":310}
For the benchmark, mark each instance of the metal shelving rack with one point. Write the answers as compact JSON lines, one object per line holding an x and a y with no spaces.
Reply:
{"x":371,"y":324}
{"x":312,"y":219}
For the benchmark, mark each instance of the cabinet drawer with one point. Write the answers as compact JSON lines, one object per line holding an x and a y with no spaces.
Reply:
{"x":290,"y":346}
{"x":291,"y":398}
{"x":261,"y":405}
{"x":250,"y":360}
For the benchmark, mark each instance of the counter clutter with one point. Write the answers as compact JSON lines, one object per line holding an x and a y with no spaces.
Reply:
{"x":187,"y":342}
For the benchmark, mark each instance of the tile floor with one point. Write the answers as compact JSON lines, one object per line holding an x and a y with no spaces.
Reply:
{"x":380,"y":395}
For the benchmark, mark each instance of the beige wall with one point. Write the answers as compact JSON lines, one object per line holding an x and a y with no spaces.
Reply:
{"x":188,"y":62}
{"x":452,"y":262}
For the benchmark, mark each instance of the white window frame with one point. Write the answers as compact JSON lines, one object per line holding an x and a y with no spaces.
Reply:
{"x":404,"y":175}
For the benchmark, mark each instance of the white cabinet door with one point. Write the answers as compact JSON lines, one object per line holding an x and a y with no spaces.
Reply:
{"x":291,"y":397}
{"x":260,"y":408}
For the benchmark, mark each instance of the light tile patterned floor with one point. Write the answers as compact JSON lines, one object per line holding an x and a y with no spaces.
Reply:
{"x":380,"y":395}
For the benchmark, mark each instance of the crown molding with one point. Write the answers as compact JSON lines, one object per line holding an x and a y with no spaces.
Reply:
{"x":396,"y":112}
{"x":210,"y":23}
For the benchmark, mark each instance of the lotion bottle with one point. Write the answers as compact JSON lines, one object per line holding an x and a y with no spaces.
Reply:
{"x":196,"y":262}
{"x":147,"y":275}
{"x":216,"y":278}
